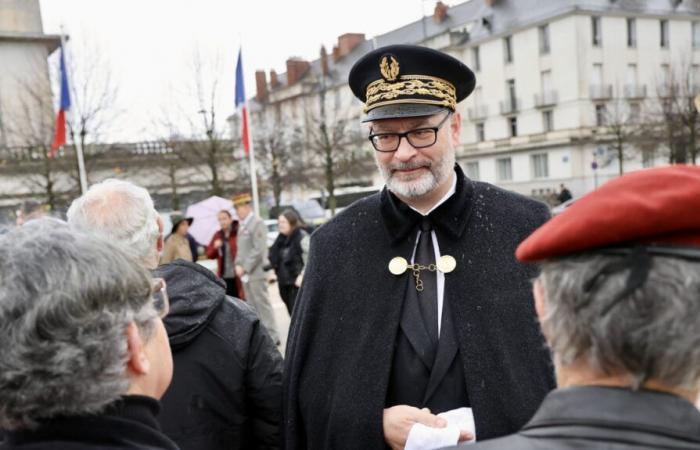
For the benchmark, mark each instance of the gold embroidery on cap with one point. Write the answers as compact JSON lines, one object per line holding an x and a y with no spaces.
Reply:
{"x":380,"y":93}
{"x":389,"y":67}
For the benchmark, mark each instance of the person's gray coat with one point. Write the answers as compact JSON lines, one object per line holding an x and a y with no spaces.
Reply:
{"x":252,"y":247}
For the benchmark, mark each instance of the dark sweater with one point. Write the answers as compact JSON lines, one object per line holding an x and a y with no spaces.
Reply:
{"x":129,"y":423}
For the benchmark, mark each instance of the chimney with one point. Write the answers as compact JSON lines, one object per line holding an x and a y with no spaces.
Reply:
{"x":260,"y":85}
{"x":296,"y":68}
{"x":440,"y":13}
{"x":324,"y":61}
{"x":274,"y":81}
{"x":347,"y":43}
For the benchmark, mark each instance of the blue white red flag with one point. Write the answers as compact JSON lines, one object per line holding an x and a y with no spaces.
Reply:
{"x":241,"y":103}
{"x":59,"y":138}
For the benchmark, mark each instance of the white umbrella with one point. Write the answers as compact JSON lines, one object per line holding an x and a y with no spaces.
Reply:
{"x":204,"y":214}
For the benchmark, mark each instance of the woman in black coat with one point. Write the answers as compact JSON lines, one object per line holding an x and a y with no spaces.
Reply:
{"x":288,"y":255}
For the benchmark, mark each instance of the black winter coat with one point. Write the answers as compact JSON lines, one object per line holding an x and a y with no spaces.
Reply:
{"x":344,"y":328}
{"x":226,"y":388}
{"x":129,"y":423}
{"x":286,"y":256}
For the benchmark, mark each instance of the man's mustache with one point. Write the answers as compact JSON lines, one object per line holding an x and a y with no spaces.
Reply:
{"x":409,"y":166}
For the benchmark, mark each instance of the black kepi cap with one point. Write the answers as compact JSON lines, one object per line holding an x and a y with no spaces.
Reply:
{"x":409,"y":81}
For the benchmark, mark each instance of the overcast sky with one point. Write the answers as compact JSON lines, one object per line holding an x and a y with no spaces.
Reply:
{"x":149,"y":44}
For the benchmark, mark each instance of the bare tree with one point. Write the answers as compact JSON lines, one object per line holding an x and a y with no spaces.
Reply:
{"x":196,"y":133}
{"x":279,"y":146}
{"x":676,"y":121}
{"x":623,"y":125}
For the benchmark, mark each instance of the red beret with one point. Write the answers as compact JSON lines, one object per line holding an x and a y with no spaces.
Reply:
{"x":654,"y":206}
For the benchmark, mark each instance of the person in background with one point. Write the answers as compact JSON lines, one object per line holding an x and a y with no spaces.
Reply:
{"x":617,"y":300}
{"x":224,"y":248}
{"x":564,"y":194}
{"x":251,"y":260}
{"x":30,"y":210}
{"x":85,"y":355}
{"x":288,"y":255}
{"x":177,"y":246}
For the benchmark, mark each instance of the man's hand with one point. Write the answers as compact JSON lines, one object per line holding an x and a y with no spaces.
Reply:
{"x":218,"y":244}
{"x":398,"y":421}
{"x":239,"y":271}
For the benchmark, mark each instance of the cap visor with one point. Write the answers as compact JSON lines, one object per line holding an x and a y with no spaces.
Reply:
{"x":401,"y":111}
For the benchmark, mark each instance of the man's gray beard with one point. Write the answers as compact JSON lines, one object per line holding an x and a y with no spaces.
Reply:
{"x":437,"y":173}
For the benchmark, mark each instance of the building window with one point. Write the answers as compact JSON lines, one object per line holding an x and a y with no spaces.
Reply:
{"x":635,"y":112}
{"x":596,"y":35}
{"x":548,"y":120}
{"x":540,"y":165}
{"x":513,"y":126}
{"x":600,"y":115}
{"x":664,"y":33}
{"x":631,"y":33}
{"x":544,"y":40}
{"x":508,"y":48}
{"x":510,"y":90}
{"x":473,"y":170}
{"x":476,"y":59}
{"x":504,"y":169}
{"x":696,"y":34}
{"x":480,"y":132}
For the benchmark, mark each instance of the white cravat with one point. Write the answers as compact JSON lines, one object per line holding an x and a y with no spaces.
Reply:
{"x":440,"y":275}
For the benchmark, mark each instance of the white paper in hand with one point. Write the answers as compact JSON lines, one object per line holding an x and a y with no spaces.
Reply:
{"x":422,"y":437}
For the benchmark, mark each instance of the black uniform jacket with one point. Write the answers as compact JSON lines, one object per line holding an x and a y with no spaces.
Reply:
{"x":597,"y":418}
{"x":227,"y":375}
{"x":345,"y":324}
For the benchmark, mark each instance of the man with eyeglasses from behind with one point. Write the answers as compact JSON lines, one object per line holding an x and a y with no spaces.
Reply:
{"x":85,"y":355}
{"x":413,"y":303}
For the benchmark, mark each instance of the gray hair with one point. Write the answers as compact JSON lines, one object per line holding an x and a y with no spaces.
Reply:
{"x":121,"y":212}
{"x":652,"y":333}
{"x":66,"y":300}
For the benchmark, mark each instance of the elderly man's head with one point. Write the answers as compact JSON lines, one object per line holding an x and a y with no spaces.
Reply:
{"x":122,"y":213}
{"x":619,"y":293}
{"x":79,"y":326}
{"x":651,"y":335}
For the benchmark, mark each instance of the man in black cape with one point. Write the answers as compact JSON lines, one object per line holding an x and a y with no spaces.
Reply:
{"x":412,"y":297}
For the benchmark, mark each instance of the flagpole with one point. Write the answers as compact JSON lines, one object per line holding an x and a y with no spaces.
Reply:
{"x":253,"y":171}
{"x":82,"y":174}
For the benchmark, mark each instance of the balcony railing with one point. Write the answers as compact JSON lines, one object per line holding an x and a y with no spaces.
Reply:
{"x":478,"y":112}
{"x":634,"y":91}
{"x":510,"y":106}
{"x":546,"y":98}
{"x":601,"y":91}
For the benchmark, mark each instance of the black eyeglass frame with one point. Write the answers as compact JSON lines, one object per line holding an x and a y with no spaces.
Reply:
{"x":407,"y":135}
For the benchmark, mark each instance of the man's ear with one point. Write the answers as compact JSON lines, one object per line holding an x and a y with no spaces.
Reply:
{"x":538,"y":293}
{"x":138,"y":362}
{"x":455,"y":127}
{"x":159,"y":243}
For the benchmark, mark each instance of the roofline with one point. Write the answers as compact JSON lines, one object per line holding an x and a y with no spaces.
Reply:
{"x":50,"y":41}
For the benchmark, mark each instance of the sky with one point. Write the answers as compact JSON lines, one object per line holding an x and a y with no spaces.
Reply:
{"x":148,"y":46}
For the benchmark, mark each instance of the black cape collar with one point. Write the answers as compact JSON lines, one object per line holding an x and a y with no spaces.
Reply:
{"x":451,"y":217}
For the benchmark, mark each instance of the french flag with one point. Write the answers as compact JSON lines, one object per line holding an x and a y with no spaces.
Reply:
{"x":59,"y":138}
{"x":241,"y":103}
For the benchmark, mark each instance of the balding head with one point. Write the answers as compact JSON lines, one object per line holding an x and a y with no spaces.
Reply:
{"x":124,"y":214}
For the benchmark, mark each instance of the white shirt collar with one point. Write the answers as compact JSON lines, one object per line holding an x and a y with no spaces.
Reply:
{"x":449,"y":194}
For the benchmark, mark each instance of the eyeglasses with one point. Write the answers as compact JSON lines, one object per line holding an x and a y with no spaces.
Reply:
{"x":161,"y":302}
{"x":418,"y":138}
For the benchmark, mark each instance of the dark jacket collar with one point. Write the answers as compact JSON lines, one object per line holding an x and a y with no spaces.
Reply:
{"x":451,"y":217}
{"x":620,"y":408}
{"x":129,"y":422}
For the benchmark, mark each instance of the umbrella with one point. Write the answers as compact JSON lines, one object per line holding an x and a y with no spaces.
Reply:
{"x":204,"y":214}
